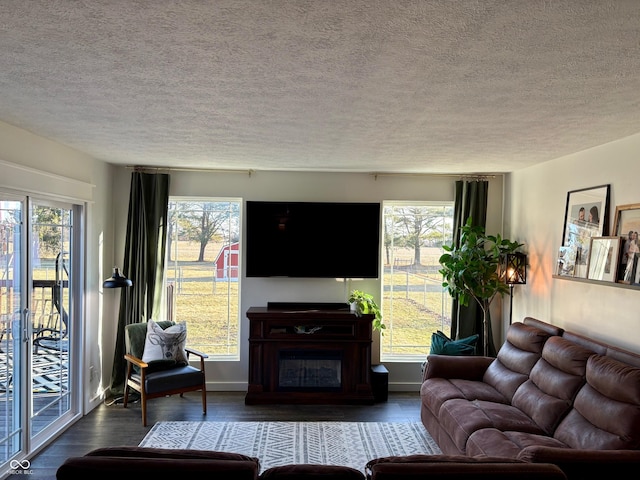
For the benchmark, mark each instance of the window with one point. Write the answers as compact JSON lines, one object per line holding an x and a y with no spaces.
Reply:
{"x":414,"y":304}
{"x":202,"y":274}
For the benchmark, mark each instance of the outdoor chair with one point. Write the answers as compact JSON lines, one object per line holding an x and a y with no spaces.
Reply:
{"x":164,"y":376}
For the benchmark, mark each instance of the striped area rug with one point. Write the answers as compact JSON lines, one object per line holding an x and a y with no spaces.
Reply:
{"x":351,"y":444}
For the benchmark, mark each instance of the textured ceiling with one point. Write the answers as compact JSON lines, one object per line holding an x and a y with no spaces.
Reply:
{"x":354,"y":85}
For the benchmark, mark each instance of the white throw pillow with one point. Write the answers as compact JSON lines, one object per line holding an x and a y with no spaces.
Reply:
{"x":167,"y":344}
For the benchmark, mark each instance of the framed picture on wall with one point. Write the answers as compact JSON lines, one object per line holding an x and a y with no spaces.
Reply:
{"x":604,"y":254}
{"x":566,"y":262}
{"x":586,"y":216}
{"x":626,"y":225}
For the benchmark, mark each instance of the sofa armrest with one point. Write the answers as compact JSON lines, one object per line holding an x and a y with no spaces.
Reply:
{"x":462,"y":367}
{"x":579,"y":463}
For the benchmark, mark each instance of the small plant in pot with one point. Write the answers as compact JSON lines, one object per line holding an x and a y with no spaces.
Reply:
{"x":364,"y":303}
{"x":471,"y":270}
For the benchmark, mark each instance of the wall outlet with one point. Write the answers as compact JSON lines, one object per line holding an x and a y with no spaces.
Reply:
{"x":92,"y":373}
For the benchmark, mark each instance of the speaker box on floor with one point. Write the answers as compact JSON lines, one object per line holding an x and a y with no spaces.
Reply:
{"x":380,"y":382}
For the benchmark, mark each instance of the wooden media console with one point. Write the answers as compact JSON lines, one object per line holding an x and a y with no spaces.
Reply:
{"x":309,"y":355}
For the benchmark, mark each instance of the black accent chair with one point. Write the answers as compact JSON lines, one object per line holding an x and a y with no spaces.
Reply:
{"x":159,"y":378}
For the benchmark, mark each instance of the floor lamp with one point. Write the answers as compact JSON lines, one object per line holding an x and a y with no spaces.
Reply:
{"x":515,"y":269}
{"x":118,"y":281}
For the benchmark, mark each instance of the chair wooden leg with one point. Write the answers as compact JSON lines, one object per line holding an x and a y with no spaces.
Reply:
{"x":204,"y":401}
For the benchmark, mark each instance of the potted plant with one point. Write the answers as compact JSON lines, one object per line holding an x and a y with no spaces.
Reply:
{"x":364,"y":303}
{"x":472,"y":269}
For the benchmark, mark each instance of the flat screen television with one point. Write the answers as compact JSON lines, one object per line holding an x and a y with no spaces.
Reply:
{"x":312,"y":239}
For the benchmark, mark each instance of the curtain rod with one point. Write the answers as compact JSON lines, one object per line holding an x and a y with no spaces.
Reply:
{"x":466,"y":176}
{"x":143,"y":168}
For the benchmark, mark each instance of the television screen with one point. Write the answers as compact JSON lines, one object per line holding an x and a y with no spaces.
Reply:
{"x":312,"y":239}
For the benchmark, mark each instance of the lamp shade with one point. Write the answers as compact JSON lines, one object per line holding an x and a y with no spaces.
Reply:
{"x":117,"y":280}
{"x":515,"y":268}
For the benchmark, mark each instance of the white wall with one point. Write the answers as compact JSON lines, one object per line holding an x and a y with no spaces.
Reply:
{"x":535,"y":216}
{"x":299,"y":186}
{"x":36,"y":166}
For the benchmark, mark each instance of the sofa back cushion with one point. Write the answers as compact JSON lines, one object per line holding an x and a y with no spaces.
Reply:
{"x":159,"y":463}
{"x":552,"y":330}
{"x":554,"y":381}
{"x":516,"y":358}
{"x":624,"y":356}
{"x":421,"y":467}
{"x":611,"y":393}
{"x":311,"y":472}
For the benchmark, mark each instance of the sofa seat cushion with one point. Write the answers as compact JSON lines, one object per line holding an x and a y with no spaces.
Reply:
{"x":493,"y":442}
{"x":174,"y":378}
{"x":460,"y":418}
{"x":435,"y":391}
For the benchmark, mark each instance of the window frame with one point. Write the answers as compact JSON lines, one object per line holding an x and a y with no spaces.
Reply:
{"x":389,"y":269}
{"x":237,"y":318}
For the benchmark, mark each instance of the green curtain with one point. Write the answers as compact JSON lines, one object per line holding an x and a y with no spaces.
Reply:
{"x":470,"y":201}
{"x":144,"y":260}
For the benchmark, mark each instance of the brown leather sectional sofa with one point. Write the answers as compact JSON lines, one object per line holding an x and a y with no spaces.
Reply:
{"x":550,"y":396}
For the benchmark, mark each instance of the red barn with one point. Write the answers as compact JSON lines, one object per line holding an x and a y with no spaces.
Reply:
{"x":226,"y":263}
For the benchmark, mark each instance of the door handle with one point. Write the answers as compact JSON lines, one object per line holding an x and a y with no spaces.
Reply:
{"x":26,"y":331}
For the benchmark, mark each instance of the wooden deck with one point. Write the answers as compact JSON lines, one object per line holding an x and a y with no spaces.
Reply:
{"x":50,"y":387}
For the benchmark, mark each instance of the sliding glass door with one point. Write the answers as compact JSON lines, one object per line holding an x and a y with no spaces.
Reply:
{"x":51,"y":312}
{"x":39,"y":311}
{"x":13,"y":310}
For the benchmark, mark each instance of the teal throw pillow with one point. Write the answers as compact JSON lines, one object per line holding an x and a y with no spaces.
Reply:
{"x":443,"y":345}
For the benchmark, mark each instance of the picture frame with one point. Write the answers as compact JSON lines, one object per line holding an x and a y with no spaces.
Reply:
{"x":636,"y":274}
{"x":626,"y":225}
{"x":566,"y":262}
{"x":604,"y":256}
{"x":627,"y":218}
{"x":586,"y":216}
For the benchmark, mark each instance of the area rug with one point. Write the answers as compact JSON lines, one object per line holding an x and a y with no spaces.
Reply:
{"x":351,"y":444}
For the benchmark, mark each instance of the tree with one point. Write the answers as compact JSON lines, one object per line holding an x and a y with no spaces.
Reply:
{"x":471,"y":269}
{"x":414,"y":224}
{"x":200,"y":222}
{"x":171,"y":228}
{"x":48,"y":223}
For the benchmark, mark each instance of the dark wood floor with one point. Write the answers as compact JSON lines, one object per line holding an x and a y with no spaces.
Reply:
{"x":114,"y":425}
